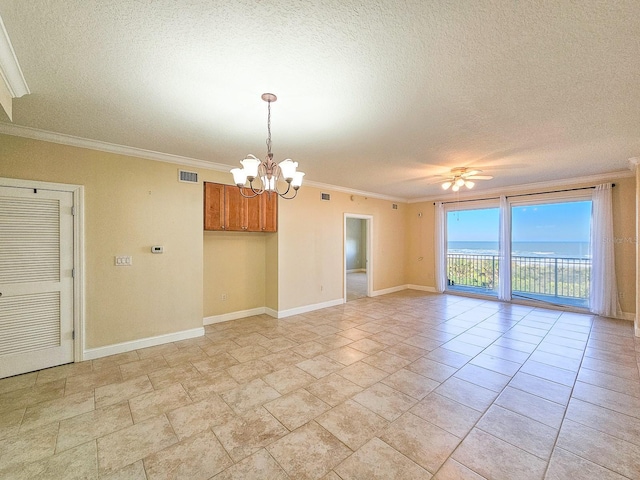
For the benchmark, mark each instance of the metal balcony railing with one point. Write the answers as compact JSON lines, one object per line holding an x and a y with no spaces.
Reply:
{"x":567,"y":278}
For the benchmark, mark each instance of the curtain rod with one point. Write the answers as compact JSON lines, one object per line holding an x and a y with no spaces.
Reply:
{"x":523,"y":195}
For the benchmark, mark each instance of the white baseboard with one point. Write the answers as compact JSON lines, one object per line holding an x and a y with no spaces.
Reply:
{"x":357,"y":270}
{"x":271,"y":312}
{"x":93,"y":353}
{"x":225,"y":317}
{"x":308,"y":308}
{"x":385,"y":291}
{"x":422,"y":288}
{"x":637,"y":329}
{"x":628,"y":316}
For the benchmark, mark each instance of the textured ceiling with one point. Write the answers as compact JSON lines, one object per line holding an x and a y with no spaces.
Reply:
{"x":378,"y":96}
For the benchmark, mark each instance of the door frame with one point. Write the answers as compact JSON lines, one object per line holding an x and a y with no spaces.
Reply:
{"x":78,"y":252}
{"x":369,"y":257}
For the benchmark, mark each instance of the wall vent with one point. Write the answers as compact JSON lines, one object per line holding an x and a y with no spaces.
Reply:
{"x":326,"y":196}
{"x":187,"y":177}
{"x":394,"y":206}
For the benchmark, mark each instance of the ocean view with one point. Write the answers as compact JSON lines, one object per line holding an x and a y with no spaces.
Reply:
{"x":524,"y":249}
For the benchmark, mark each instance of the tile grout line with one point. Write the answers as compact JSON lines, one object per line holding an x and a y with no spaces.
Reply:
{"x":502,"y":390}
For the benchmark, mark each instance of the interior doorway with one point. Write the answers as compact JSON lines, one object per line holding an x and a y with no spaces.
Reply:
{"x":358,"y":278}
{"x":40,"y":275}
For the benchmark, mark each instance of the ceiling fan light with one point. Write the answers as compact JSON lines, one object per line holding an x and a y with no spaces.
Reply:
{"x":446,"y":185}
{"x":459,"y":182}
{"x":469,"y":184}
{"x":455,"y":187}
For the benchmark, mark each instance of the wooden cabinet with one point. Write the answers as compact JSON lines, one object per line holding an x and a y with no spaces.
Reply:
{"x":214,"y":206}
{"x":269,"y":212}
{"x":226,"y":209}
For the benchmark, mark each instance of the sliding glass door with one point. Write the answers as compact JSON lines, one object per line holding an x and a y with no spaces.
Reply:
{"x":550,"y":252}
{"x":548,"y":249}
{"x":473,"y":250}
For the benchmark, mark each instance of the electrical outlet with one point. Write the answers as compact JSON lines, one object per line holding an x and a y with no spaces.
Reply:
{"x":224,"y":297}
{"x":123,"y":261}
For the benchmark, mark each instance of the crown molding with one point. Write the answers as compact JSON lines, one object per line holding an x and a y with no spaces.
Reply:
{"x":73,"y":141}
{"x":351,"y":191}
{"x":514,"y":189}
{"x":9,"y":67}
{"x":63,"y":139}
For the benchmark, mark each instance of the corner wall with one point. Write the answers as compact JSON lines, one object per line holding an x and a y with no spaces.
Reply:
{"x":311,"y":250}
{"x":130,"y":204}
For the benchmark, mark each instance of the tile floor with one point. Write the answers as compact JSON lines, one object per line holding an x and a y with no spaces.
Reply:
{"x":356,"y":285}
{"x":408,"y":385}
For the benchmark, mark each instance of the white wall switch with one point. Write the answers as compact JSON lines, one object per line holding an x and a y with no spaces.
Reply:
{"x":157,"y":249}
{"x":123,"y":261}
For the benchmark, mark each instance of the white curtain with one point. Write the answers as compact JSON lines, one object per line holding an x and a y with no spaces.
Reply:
{"x":603,"y":292}
{"x":441,"y":248}
{"x":504,"y":265}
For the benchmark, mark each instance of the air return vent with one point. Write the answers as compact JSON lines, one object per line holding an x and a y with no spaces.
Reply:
{"x":326,"y":196}
{"x":187,"y":177}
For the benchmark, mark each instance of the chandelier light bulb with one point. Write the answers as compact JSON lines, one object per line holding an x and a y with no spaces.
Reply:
{"x":239,"y":176}
{"x":250,"y":164}
{"x":288,"y":169}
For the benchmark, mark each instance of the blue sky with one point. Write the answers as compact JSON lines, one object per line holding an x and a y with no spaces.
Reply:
{"x":559,"y":222}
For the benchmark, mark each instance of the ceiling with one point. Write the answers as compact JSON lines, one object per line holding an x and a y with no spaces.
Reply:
{"x":376,"y":96}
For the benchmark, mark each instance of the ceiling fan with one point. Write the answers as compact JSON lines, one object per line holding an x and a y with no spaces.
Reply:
{"x":463,"y":176}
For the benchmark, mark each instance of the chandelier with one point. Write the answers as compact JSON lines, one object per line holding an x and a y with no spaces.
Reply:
{"x":267,"y":173}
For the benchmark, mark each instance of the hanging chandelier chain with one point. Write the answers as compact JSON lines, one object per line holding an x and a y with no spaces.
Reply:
{"x":269,"y":127}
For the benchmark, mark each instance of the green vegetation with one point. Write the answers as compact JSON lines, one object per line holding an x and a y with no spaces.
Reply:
{"x":560,"y":277}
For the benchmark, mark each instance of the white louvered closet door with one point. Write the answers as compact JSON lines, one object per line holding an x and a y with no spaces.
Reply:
{"x":36,"y":283}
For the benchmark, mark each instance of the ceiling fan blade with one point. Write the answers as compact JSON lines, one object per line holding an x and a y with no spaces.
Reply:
{"x":470,"y":173}
{"x":479,"y":177}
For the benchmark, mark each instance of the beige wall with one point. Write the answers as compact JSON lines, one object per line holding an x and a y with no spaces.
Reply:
{"x":419,"y":247}
{"x":271,"y":270}
{"x":624,"y":234}
{"x":420,"y":238}
{"x":637,"y":239}
{"x":130,"y":205}
{"x":235,"y":264}
{"x":356,"y":248}
{"x":311,"y":250}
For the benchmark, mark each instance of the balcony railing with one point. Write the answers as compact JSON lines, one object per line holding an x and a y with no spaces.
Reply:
{"x":562,"y":278}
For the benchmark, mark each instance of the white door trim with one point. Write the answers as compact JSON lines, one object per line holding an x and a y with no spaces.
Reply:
{"x":369,"y":257}
{"x":78,"y":252}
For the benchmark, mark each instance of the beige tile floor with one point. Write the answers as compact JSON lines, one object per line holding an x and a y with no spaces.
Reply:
{"x":408,"y":385}
{"x":356,"y":285}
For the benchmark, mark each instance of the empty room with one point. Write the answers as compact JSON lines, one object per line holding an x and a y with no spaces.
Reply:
{"x":319,"y":240}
